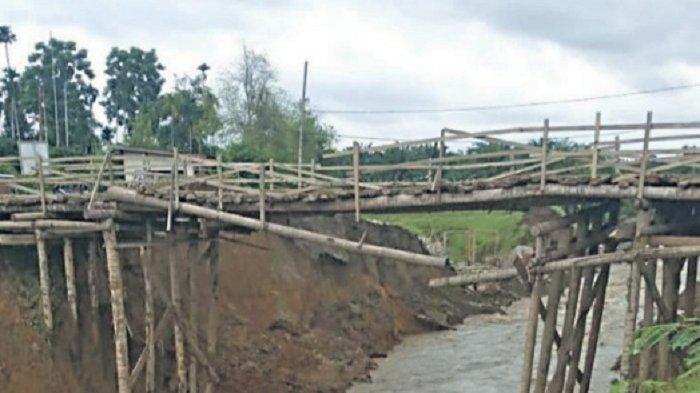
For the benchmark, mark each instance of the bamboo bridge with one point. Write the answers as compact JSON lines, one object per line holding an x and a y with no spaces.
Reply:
{"x":139,"y":199}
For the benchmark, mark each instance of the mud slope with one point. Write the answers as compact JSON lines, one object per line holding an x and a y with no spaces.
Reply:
{"x":298,"y":318}
{"x":293,"y":317}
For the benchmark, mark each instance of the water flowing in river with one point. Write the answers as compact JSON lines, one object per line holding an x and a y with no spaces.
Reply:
{"x":485,"y":353}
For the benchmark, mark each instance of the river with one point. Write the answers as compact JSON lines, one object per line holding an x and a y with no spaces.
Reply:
{"x":484,"y":354}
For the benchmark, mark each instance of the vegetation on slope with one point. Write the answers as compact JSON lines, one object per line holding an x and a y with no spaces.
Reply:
{"x":497,"y":232}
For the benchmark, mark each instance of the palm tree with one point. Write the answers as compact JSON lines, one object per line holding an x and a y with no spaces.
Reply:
{"x":7,"y":37}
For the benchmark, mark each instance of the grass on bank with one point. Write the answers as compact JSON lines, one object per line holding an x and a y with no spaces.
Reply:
{"x":497,"y":232}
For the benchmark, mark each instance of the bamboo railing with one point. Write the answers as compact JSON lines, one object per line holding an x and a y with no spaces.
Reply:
{"x":644,"y":154}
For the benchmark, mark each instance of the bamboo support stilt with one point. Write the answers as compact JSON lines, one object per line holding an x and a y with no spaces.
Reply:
{"x":671,"y":279}
{"x":44,"y":280}
{"x":116,"y":288}
{"x":531,"y":335}
{"x":192,"y":261}
{"x":647,"y":319}
{"x":149,"y":310}
{"x":557,"y":383}
{"x":596,"y":322}
{"x":576,"y":339}
{"x":92,"y":288}
{"x":690,"y":287}
{"x":213,"y":317}
{"x":550,"y":324}
{"x":69,"y":267}
{"x":176,"y":299}
{"x":633,"y":285}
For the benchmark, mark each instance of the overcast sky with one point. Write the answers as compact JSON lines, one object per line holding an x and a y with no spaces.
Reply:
{"x":409,"y":54}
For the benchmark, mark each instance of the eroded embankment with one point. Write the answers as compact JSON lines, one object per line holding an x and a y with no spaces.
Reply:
{"x":292,"y":316}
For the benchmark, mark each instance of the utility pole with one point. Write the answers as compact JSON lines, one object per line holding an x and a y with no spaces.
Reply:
{"x":65,"y":109}
{"x":55,"y":95}
{"x":302,"y":111}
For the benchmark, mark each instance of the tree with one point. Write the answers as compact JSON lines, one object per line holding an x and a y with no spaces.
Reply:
{"x":133,"y":81}
{"x":15,"y":124}
{"x":7,"y":37}
{"x":186,"y":118}
{"x":61,"y":64}
{"x":260,"y":121}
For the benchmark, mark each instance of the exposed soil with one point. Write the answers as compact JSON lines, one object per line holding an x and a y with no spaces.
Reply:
{"x":292,"y":316}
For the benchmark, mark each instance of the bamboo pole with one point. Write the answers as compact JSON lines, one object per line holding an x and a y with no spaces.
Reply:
{"x":576,"y":339}
{"x":92,"y":288}
{"x":143,"y":358}
{"x":192,"y":260}
{"x":671,"y":279}
{"x":543,"y":166}
{"x":356,"y":177}
{"x":116,"y":288}
{"x":633,"y":283}
{"x":647,"y":317}
{"x":44,"y":280}
{"x":42,"y":186}
{"x":261,"y":191}
{"x":437,"y":184}
{"x":149,"y":309}
{"x":690,"y":287}
{"x":550,"y":324}
{"x":596,"y":148}
{"x":531,"y":335}
{"x":213,"y":316}
{"x":125,"y":195}
{"x":220,"y":177}
{"x":173,"y":180}
{"x":557,"y":383}
{"x":596,"y":323}
{"x":176,"y":299}
{"x":69,"y":267}
{"x":644,"y":158}
{"x":95,"y":188}
{"x":588,"y":261}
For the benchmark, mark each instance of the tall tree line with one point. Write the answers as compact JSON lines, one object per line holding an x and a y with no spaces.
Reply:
{"x":249,"y":117}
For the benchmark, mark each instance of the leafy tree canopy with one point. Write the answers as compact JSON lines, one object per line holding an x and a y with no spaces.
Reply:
{"x":133,"y":81}
{"x":260,"y":121}
{"x":57,"y":95}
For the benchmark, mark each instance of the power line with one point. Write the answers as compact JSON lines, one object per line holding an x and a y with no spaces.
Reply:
{"x":369,"y":138}
{"x":506,"y":106}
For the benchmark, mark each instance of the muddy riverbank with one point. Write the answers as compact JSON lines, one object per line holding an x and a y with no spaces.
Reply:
{"x":293,"y":317}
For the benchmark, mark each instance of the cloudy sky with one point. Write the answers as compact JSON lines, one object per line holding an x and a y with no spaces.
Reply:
{"x":371,"y":55}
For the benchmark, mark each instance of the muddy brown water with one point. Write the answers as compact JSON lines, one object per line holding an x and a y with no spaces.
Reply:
{"x":485,"y":353}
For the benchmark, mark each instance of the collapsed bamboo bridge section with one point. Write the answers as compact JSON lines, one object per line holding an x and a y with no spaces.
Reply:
{"x":623,"y":201}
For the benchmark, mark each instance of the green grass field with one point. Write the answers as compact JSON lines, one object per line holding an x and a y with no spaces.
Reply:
{"x":497,"y":232}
